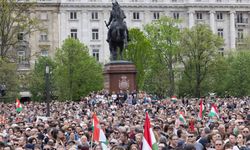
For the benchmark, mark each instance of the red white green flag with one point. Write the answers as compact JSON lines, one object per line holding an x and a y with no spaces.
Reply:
{"x":214,"y":111}
{"x":19,"y":106}
{"x":174,"y":98}
{"x":202,"y":110}
{"x":98,"y":134}
{"x":149,"y":141}
{"x":182,"y":118}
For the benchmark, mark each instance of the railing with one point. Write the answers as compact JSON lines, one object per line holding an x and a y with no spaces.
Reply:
{"x":202,"y":21}
{"x":39,"y":1}
{"x":240,"y":40}
{"x":146,"y":1}
{"x":241,"y":20}
{"x":25,"y":65}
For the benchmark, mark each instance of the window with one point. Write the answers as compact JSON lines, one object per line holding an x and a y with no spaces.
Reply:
{"x":156,"y":15}
{"x":20,"y":36}
{"x":199,"y":16}
{"x":44,"y":53}
{"x":21,"y":56}
{"x":154,"y":1}
{"x":136,"y":15}
{"x":219,"y":16}
{"x":238,"y":1}
{"x":239,"y":18}
{"x":218,"y":1}
{"x":73,"y":33}
{"x":94,"y":15}
{"x":240,"y":34}
{"x":43,"y":37}
{"x":176,"y":15}
{"x":220,"y":32}
{"x":95,"y":53}
{"x":95,"y":34}
{"x":174,"y":1}
{"x":44,"y":16}
{"x":221,"y":51}
{"x":73,"y":15}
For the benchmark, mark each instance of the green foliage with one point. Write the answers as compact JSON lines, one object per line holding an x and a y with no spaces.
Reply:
{"x":199,"y":48}
{"x":8,"y":77}
{"x":156,"y":80}
{"x":37,"y":79}
{"x":77,"y":74}
{"x":139,"y":51}
{"x":15,"y":18}
{"x":164,"y":36}
{"x":218,"y":76}
{"x":239,"y":80}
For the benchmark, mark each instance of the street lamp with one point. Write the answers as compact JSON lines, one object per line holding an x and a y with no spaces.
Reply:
{"x":47,"y":88}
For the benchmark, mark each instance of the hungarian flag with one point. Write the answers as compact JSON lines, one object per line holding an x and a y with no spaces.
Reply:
{"x":149,"y":141}
{"x":182,"y":119}
{"x":214,"y":111}
{"x":202,"y":110}
{"x":98,"y":134}
{"x":19,"y":106}
{"x":174,"y":98}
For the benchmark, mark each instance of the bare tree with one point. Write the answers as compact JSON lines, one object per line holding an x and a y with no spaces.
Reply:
{"x":16,"y":23}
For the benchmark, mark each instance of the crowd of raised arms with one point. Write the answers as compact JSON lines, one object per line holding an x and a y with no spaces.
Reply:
{"x":183,"y":124}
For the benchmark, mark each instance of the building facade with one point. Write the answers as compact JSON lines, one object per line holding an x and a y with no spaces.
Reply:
{"x":84,"y":20}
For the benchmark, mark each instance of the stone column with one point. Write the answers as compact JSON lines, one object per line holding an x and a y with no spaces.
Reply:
{"x":191,"y":19}
{"x":232,"y":30}
{"x":212,"y":24}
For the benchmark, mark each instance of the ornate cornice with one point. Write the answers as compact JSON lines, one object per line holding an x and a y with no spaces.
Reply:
{"x":155,"y":5}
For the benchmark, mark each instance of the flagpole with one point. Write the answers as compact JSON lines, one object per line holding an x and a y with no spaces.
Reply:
{"x":91,"y":144}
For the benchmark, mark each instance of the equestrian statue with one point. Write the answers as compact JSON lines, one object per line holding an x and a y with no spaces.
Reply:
{"x":117,"y":31}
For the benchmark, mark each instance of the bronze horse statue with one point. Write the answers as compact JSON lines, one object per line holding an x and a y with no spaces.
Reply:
{"x":118,"y":32}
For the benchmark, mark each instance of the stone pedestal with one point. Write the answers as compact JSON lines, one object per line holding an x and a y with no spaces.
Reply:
{"x":120,"y":75}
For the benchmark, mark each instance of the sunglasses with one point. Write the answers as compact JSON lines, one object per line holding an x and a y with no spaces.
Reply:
{"x":218,"y":144}
{"x":112,"y":143}
{"x":191,"y":136}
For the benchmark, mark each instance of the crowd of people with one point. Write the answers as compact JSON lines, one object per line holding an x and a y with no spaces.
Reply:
{"x":121,"y":117}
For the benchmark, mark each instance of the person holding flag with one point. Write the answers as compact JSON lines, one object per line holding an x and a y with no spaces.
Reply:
{"x":214,"y":111}
{"x":149,"y":141}
{"x":19,"y":106}
{"x":98,"y":134}
{"x":202,"y":110}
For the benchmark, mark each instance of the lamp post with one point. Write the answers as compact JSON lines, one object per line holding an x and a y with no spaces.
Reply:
{"x":47,"y":89}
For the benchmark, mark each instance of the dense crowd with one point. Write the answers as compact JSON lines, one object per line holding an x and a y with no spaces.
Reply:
{"x":121,"y":117}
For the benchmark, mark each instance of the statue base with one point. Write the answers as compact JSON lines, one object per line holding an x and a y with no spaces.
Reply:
{"x":120,"y":75}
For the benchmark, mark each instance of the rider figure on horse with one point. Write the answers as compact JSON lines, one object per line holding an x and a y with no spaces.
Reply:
{"x":116,"y":14}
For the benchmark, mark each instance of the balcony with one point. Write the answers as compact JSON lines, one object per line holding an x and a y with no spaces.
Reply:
{"x":241,"y":22}
{"x":200,"y":21}
{"x":23,"y":66}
